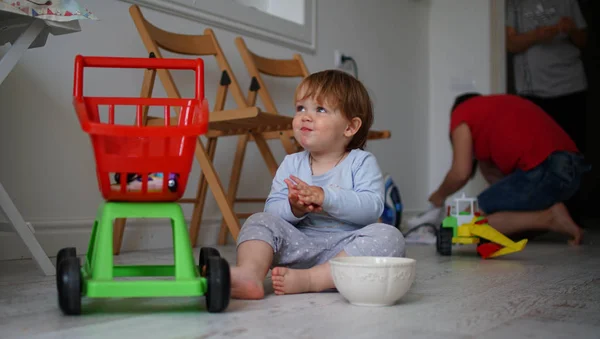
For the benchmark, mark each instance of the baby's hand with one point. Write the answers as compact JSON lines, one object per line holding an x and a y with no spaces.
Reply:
{"x":309,"y":194}
{"x":299,"y":207}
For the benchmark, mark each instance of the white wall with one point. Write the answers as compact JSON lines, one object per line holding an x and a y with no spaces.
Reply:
{"x":47,"y":164}
{"x":261,"y":5}
{"x":459,"y":59}
{"x":292,"y":10}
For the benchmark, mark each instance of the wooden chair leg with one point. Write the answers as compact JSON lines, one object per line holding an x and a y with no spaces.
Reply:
{"x":234,"y":181}
{"x":288,"y":146}
{"x":118,"y":230}
{"x":237,"y":171}
{"x":216,"y":188}
{"x":266,"y":153}
{"x":201,"y":195}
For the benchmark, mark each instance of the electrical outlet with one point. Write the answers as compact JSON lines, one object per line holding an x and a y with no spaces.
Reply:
{"x":337,"y":55}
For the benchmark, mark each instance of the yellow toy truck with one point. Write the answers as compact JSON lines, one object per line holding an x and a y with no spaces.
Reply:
{"x":465,"y":225}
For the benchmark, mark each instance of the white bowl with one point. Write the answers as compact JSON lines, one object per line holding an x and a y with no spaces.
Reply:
{"x":372,"y":281}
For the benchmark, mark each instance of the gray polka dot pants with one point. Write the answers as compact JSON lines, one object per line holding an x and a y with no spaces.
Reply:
{"x":304,"y":248}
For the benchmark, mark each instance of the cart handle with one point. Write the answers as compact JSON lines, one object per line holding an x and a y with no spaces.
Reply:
{"x":128,"y":62}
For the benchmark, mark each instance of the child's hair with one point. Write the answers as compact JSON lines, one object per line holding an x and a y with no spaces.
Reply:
{"x":341,"y":91}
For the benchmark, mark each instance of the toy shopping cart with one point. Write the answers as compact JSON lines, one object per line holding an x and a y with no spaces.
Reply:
{"x":126,"y":151}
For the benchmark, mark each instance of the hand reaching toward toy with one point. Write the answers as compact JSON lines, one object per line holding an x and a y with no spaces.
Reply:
{"x":304,"y":198}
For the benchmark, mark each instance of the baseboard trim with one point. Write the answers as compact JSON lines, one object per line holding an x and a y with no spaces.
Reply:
{"x":140,"y":234}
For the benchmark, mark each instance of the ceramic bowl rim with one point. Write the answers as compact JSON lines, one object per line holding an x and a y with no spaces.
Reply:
{"x":392,"y":262}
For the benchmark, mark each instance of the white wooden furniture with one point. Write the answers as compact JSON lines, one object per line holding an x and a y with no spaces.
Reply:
{"x":24,"y":32}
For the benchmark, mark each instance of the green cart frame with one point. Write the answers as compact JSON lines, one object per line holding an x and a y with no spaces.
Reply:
{"x":96,"y":278}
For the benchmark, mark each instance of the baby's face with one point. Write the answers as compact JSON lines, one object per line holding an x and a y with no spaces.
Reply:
{"x":318,"y":127}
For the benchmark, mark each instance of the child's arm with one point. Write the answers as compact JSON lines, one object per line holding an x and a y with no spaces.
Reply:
{"x":278,"y":202}
{"x":362,"y":205}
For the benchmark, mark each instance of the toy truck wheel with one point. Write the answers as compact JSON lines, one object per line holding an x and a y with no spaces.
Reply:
{"x":69,"y":286}
{"x":483,"y":242}
{"x":444,"y":241}
{"x":205,"y":253}
{"x":67,"y":252}
{"x":219,"y":284}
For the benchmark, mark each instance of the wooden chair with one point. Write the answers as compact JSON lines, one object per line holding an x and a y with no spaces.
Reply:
{"x":245,"y":121}
{"x":257,"y":65}
{"x":295,"y":67}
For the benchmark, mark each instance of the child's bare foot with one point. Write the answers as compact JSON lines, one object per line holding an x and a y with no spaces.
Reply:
{"x":245,"y":285}
{"x":290,"y":281}
{"x":562,"y":222}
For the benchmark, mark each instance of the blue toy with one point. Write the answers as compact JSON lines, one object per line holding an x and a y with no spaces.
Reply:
{"x":392,"y":209}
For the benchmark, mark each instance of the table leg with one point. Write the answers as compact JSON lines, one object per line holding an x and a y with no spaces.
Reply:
{"x":7,"y":63}
{"x":16,"y":219}
{"x":21,"y":45}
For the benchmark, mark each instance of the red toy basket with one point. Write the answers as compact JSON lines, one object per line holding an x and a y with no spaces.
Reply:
{"x":146,"y":151}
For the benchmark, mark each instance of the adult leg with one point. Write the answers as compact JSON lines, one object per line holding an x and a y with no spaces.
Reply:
{"x":373,"y":240}
{"x":574,"y":113}
{"x":527,"y":224}
{"x":532,"y":201}
{"x":569,"y":112}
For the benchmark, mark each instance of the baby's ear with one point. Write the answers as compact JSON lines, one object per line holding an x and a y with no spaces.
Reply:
{"x":353,"y":127}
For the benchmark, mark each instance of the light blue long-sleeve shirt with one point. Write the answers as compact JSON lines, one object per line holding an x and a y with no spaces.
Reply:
{"x":354,"y":192}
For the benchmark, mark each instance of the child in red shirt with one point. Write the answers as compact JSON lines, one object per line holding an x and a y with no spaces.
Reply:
{"x":533,"y":166}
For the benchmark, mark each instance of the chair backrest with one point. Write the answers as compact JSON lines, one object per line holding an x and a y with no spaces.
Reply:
{"x":155,"y":38}
{"x":257,"y":65}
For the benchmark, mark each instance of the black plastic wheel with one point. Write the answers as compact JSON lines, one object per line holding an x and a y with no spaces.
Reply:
{"x":205,"y":253}
{"x":219,"y":284}
{"x":69,"y":286}
{"x":67,"y":252}
{"x":444,"y":241}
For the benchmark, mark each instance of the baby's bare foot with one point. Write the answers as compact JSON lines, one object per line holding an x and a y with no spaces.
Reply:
{"x":563,"y":223}
{"x":245,"y":285}
{"x":290,"y":281}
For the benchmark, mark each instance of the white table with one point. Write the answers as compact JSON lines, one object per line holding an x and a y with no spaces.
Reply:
{"x":24,"y":32}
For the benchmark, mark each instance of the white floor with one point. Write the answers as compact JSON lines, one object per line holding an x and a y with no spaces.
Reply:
{"x":550,"y":290}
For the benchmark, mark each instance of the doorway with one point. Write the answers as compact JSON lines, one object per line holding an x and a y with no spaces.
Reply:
{"x":586,"y":204}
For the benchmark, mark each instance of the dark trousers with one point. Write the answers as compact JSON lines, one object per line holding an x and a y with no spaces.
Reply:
{"x":569,"y":111}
